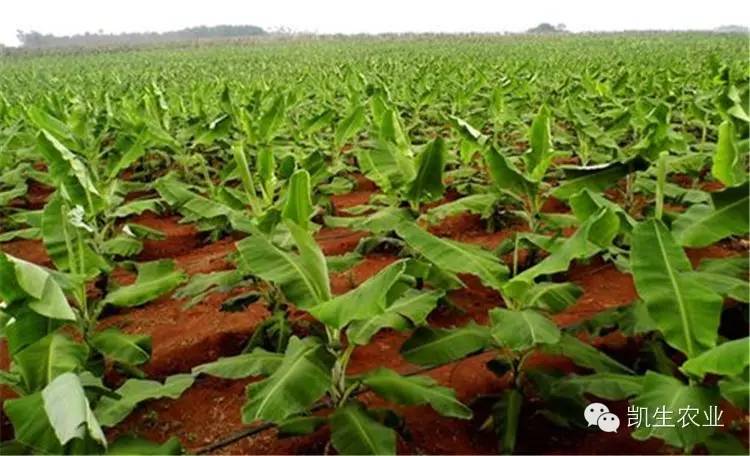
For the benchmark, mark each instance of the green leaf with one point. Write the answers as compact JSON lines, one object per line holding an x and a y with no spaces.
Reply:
{"x":23,"y":233}
{"x":155,"y":279}
{"x":134,"y":149}
{"x":132,"y":349}
{"x":303,"y":278}
{"x":409,"y":310}
{"x":366,"y":301}
{"x":266,"y":164}
{"x":506,"y":415}
{"x":145,"y":232}
{"x":386,"y":165}
{"x":257,"y":362}
{"x":16,"y":192}
{"x":31,"y":426}
{"x":454,"y":257}
{"x":215,"y":130}
{"x":507,"y":177}
{"x":586,"y":203}
{"x":66,"y":244}
{"x":610,"y":386}
{"x":730,"y":358}
{"x":128,"y":445}
{"x":355,"y":431}
{"x":271,"y":119}
{"x":54,"y":126}
{"x":68,"y":170}
{"x":537,"y":159}
{"x":734,"y":267}
{"x":191,"y":205}
{"x":344,"y":262}
{"x":110,"y":411}
{"x":378,"y":222}
{"x":298,"y":205}
{"x":124,"y":246}
{"x":45,"y":359}
{"x":481,"y":204}
{"x":32,"y":284}
{"x":200,"y":285}
{"x":415,"y":390}
{"x":467,"y":131}
{"x":728,"y":166}
{"x":702,"y":225}
{"x":300,"y":425}
{"x":664,"y":391}
{"x":598,"y":231}
{"x":585,"y":355}
{"x":551,"y":296}
{"x":736,"y":391}
{"x":520,"y":330}
{"x":392,"y":131}
{"x":596,"y":178}
{"x":428,"y":183}
{"x":434,"y":346}
{"x":686,"y":312}
{"x":243,"y":168}
{"x":723,"y":285}
{"x":68,"y":410}
{"x":318,"y":122}
{"x":302,"y":378}
{"x":26,"y":327}
{"x":349,"y":126}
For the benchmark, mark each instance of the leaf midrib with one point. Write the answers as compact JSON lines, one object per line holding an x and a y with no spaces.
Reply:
{"x":457,"y":334}
{"x":467,"y":255}
{"x":678,"y":293}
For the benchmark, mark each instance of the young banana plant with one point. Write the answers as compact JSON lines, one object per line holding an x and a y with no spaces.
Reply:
{"x":515,"y":333}
{"x":313,"y":371}
{"x":58,"y":359}
{"x":683,"y":306}
{"x":390,"y":162}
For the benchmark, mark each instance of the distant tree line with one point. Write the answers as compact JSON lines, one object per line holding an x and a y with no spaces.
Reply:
{"x":545,"y":28}
{"x":36,"y":40}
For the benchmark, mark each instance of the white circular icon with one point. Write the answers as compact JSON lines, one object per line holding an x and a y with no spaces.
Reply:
{"x":593,"y":412}
{"x":608,"y":422}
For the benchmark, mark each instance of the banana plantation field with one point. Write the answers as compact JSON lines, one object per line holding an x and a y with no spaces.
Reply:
{"x":424,"y":245}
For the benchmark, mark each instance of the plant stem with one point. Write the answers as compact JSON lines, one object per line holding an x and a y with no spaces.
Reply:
{"x":247,"y":178}
{"x":661,"y":177}
{"x":629,"y":182}
{"x":533,"y":213}
{"x":515,"y":256}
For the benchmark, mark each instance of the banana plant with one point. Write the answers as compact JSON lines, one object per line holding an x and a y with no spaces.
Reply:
{"x":680,"y":308}
{"x":391,"y":163}
{"x":89,"y":202}
{"x":514,"y":334}
{"x":57,"y":360}
{"x":313,"y":370}
{"x":685,"y":306}
{"x":724,"y":214}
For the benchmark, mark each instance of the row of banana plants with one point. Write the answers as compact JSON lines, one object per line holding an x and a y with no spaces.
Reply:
{"x":242,"y":157}
{"x":76,"y":248}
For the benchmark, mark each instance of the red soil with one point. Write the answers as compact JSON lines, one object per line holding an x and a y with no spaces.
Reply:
{"x":31,"y":250}
{"x":180,"y":238}
{"x":35,"y":197}
{"x":342,"y":202}
{"x":337,"y":241}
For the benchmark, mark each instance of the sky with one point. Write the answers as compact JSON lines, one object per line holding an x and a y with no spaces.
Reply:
{"x":66,"y":17}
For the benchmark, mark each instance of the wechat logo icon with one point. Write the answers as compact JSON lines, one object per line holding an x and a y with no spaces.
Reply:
{"x":597,"y":414}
